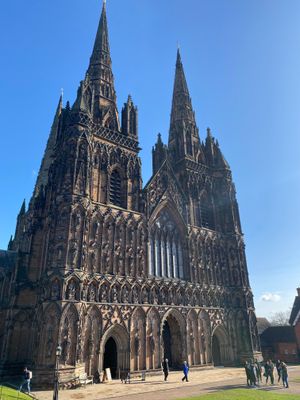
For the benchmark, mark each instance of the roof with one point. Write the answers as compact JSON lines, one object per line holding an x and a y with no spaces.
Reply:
{"x":262,"y":324}
{"x":7,"y":259}
{"x":295,"y":311}
{"x":278,"y":334}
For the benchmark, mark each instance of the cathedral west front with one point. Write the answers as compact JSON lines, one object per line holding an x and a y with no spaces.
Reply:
{"x":121,"y":275}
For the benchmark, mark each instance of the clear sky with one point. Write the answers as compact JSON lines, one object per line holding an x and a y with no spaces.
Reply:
{"x":242,"y":63}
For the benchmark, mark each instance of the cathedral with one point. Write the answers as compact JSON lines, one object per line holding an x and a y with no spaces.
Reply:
{"x":122,"y":275}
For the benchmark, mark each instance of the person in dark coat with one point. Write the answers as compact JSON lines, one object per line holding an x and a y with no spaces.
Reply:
{"x":258,"y":371}
{"x":185,"y":369}
{"x":269,"y":371}
{"x":278,"y":368}
{"x":248,"y":373}
{"x":165,"y":368}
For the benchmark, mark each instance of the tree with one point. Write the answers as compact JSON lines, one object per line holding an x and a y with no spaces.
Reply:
{"x":280,"y":318}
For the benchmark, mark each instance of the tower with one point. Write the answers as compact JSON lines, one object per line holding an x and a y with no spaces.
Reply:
{"x":119,"y":275}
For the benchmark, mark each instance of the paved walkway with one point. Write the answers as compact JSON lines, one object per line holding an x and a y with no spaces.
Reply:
{"x":200,"y":382}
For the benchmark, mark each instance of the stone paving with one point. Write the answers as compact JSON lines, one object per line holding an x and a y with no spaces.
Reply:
{"x":200,"y":382}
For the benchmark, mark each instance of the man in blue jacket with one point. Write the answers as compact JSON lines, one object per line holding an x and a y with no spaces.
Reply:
{"x":185,"y":371}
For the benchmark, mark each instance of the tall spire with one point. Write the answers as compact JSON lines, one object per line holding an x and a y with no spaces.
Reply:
{"x":96,"y":94}
{"x":183,"y":136}
{"x":101,"y":52}
{"x":181,"y":103}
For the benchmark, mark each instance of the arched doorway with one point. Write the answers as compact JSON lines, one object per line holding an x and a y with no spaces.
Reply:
{"x":216,"y":353}
{"x":110,"y":358}
{"x":172,"y":342}
{"x":221,"y":348}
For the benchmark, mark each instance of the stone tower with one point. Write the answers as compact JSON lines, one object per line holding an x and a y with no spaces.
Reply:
{"x":118,"y":275}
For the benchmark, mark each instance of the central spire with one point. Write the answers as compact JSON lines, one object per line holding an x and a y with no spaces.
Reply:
{"x":183,"y":135}
{"x":101,"y":52}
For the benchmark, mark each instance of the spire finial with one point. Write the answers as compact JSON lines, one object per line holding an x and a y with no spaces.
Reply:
{"x":62,"y":93}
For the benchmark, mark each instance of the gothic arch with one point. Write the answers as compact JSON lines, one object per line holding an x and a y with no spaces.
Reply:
{"x":221,"y":349}
{"x":121,"y":337}
{"x":68,"y":334}
{"x":193,"y":338}
{"x":167,"y":244}
{"x":92,"y":334}
{"x":49,"y":334}
{"x":138,"y":339}
{"x":173,"y":334}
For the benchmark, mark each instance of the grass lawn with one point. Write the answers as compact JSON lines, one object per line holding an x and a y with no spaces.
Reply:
{"x":245,"y":394}
{"x":7,"y":393}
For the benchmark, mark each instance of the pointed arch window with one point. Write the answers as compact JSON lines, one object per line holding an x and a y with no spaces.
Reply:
{"x":206,"y":213}
{"x":115,"y":194}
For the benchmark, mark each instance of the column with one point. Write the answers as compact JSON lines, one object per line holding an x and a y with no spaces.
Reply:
{"x":150,"y":258}
{"x":174,"y":258}
{"x":163,"y":255}
{"x":169,"y":259}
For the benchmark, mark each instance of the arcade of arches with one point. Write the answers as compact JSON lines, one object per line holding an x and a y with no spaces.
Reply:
{"x":139,"y":338}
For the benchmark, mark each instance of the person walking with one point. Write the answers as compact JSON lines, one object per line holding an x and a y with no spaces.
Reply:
{"x":185,"y":369}
{"x":284,"y":374}
{"x":27,"y":376}
{"x":269,"y":371}
{"x":278,"y":368}
{"x":165,"y":368}
{"x":248,"y":373}
{"x":258,"y":371}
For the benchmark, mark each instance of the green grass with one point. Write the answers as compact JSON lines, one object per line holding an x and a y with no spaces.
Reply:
{"x":245,"y":394}
{"x":7,"y":393}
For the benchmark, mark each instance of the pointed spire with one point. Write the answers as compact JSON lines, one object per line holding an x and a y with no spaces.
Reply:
{"x":101,"y":51}
{"x":47,"y":160}
{"x":23,"y":208}
{"x":181,"y":104}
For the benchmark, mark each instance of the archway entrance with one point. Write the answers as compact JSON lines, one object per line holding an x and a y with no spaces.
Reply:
{"x":172,"y":342}
{"x":216,"y":352}
{"x":110,"y":359}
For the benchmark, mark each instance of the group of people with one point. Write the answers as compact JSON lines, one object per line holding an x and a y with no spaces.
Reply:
{"x":254,"y":373}
{"x":166,"y":369}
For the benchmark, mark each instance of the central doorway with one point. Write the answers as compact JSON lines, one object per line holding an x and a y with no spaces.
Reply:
{"x":110,"y":359}
{"x":172,"y":342}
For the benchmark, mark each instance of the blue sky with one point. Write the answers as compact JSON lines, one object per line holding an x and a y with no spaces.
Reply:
{"x":242,"y":63}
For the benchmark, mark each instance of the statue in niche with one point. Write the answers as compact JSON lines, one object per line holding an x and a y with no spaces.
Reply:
{"x":84,"y":292}
{"x":73,"y":253}
{"x":140,"y":261}
{"x":92,"y":296}
{"x":154,"y":296}
{"x":145,"y":296}
{"x":130,"y":261}
{"x":135,"y":295}
{"x":104,"y":293}
{"x":125,"y":294}
{"x":114,"y":294}
{"x":91,"y":263}
{"x":105,"y":257}
{"x":55,"y":290}
{"x":66,"y":347}
{"x":137,"y":344}
{"x":152,"y":344}
{"x":71,"y":291}
{"x":94,"y":232}
{"x":118,"y":258}
{"x":203,"y":342}
{"x":50,"y":342}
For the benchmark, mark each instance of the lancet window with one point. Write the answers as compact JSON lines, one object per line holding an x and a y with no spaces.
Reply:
{"x":165,"y":249}
{"x":115,"y":194}
{"x":206,"y":213}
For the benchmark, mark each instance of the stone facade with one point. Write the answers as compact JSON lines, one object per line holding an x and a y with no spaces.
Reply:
{"x":120,"y":275}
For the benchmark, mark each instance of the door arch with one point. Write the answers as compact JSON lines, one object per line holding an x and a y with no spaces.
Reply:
{"x":173,"y":344}
{"x":221,"y":349}
{"x":114,"y":350}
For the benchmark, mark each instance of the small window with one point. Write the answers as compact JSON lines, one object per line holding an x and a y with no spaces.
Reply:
{"x":115,"y":196}
{"x":206,"y":211}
